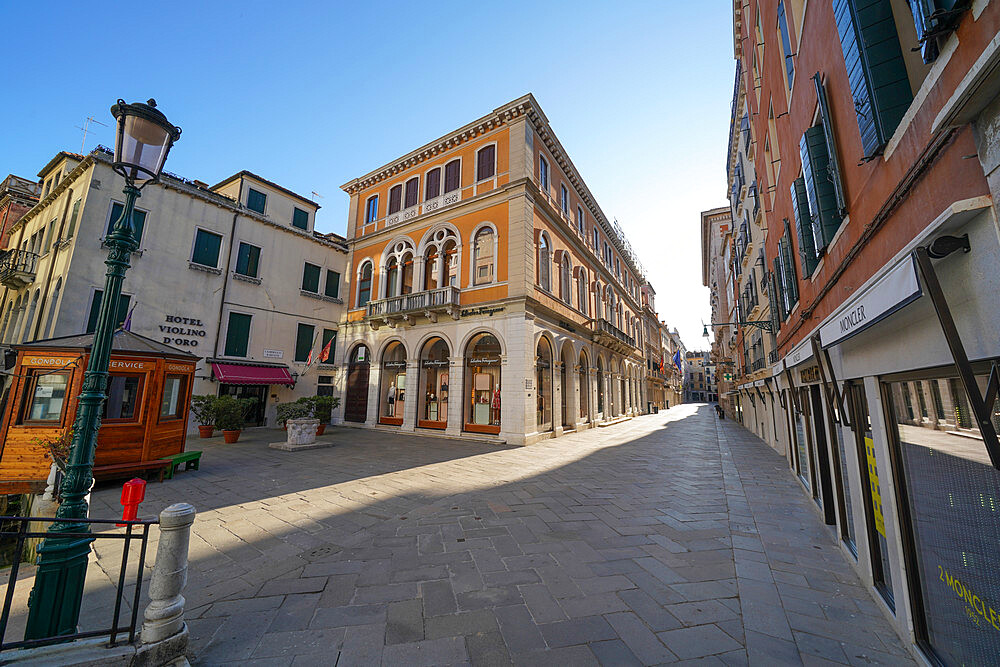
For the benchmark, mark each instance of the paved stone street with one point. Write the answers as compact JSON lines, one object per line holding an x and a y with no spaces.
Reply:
{"x":671,"y":537}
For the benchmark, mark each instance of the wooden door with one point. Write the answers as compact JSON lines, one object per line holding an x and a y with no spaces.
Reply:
{"x":356,"y":401}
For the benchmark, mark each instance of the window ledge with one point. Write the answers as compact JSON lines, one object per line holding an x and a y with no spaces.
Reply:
{"x":245,"y":278}
{"x":63,"y":243}
{"x":207,"y":269}
{"x":321,"y":297}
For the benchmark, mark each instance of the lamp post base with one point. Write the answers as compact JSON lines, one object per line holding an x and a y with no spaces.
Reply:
{"x":54,"y":604}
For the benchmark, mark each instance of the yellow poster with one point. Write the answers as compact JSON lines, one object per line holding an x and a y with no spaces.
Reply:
{"x":873,"y":482}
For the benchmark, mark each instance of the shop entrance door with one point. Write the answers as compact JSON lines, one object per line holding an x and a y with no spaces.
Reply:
{"x":356,"y":403}
{"x":822,"y":456}
{"x":258,"y":392}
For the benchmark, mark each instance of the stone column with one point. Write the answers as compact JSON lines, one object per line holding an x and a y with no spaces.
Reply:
{"x":410,"y":390}
{"x":456,"y":395}
{"x":557,"y":398}
{"x":374,"y":386}
{"x":164,"y":634}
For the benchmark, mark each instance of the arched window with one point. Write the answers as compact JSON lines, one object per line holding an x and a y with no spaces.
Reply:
{"x":482,"y":384}
{"x":543,"y":386}
{"x":395,"y":199}
{"x":431,"y":262}
{"x":486,"y":162}
{"x":565,"y":280}
{"x":26,"y":333}
{"x":432,"y":386}
{"x":406,"y":270}
{"x":440,"y":261}
{"x":412,"y":192}
{"x":581,"y":285}
{"x":600,"y":385}
{"x":609,"y":305}
{"x":584,"y":382}
{"x":391,"y":277}
{"x":544,"y":263}
{"x":483,"y":264}
{"x":398,"y":269}
{"x":392,"y":396}
{"x":432,"y":184}
{"x":597,"y":300}
{"x":452,"y":176}
{"x":365,"y":284}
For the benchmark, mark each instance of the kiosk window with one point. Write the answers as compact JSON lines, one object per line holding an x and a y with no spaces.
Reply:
{"x":174,"y":389}
{"x":45,"y":396}
{"x":123,"y":397}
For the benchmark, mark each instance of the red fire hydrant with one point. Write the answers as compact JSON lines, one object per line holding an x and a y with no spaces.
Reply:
{"x":133,"y":493}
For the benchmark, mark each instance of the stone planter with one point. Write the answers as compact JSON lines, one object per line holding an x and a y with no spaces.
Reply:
{"x":205,"y":431}
{"x":301,"y":435}
{"x":231,"y":436}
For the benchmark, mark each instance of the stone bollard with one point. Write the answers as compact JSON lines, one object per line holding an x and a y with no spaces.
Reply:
{"x":164,"y":634}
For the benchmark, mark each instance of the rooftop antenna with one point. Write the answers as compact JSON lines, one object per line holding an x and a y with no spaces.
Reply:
{"x":317,"y":195}
{"x":86,"y":128}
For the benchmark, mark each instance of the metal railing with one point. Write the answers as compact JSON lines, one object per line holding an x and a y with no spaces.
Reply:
{"x":772,"y":357}
{"x":19,"y":265}
{"x":603,"y":326}
{"x":22,"y":534}
{"x":405,"y":303}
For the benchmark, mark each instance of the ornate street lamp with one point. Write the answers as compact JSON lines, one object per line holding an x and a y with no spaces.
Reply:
{"x":144,"y":137}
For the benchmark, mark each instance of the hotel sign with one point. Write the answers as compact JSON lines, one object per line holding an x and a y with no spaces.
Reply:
{"x":892,"y":291}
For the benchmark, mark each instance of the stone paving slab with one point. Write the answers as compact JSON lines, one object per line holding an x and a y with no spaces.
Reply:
{"x":668,"y":538}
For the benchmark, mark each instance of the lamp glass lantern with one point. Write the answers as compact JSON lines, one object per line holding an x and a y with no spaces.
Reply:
{"x":142,"y":140}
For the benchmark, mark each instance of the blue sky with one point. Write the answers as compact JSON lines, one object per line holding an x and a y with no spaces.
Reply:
{"x":311,"y":95}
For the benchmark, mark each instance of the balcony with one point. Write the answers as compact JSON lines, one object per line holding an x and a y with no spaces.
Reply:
{"x":757,"y":364}
{"x":612,"y":337}
{"x":406,"y":307}
{"x":17,"y":268}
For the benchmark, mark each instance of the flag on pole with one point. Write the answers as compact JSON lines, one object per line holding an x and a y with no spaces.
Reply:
{"x":127,"y":324}
{"x":309,"y":359}
{"x":324,"y":356}
{"x":677,"y":361}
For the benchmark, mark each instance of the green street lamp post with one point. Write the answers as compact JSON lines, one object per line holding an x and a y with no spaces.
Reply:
{"x":144,"y":137}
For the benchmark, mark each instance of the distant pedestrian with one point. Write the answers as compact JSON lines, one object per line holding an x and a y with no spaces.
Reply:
{"x":719,"y":411}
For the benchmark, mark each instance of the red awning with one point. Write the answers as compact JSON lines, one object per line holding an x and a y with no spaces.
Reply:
{"x":245,"y":374}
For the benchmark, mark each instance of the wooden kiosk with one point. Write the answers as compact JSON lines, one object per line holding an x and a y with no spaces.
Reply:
{"x":145,"y":416}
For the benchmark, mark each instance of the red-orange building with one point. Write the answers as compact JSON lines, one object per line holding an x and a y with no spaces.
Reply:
{"x":873,"y":132}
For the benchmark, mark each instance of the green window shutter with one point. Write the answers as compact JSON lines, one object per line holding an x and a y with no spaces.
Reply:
{"x":206,"y":248}
{"x":248,"y":260}
{"x":73,"y":219}
{"x":256,"y":201}
{"x":933,"y":19}
{"x":238,"y":335}
{"x":803,"y":226}
{"x":820,"y":192}
{"x":786,"y":43}
{"x":788,"y":269}
{"x":95,"y":310}
{"x":778,"y":292}
{"x":300,"y":219}
{"x":303,"y":341}
{"x":332,"y":284}
{"x":138,"y":220}
{"x":875,"y":69}
{"x":830,"y":136}
{"x":310,"y":278}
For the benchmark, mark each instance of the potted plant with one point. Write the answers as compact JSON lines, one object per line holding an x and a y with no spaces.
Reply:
{"x":292,"y":410}
{"x":203,"y":409}
{"x":230,"y":416}
{"x":322,"y":409}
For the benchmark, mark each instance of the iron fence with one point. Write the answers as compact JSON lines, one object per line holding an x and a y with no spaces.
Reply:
{"x":22,"y":534}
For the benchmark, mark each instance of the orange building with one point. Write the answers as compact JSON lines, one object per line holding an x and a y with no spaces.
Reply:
{"x":488,"y":294}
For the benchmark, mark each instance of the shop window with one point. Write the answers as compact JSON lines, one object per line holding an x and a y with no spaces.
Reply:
{"x":248,"y":260}
{"x":365,"y":284}
{"x":583,"y":381}
{"x":44,"y":397}
{"x":300,"y":218}
{"x":95,"y":310}
{"x":206,"y":248}
{"x":872,"y":492}
{"x":483,"y":271}
{"x":124,"y":393}
{"x":434,"y":385}
{"x":392,"y":395}
{"x":949,"y":498}
{"x":174,"y":393}
{"x":482,"y":384}
{"x":138,"y":220}
{"x":600,"y":385}
{"x":256,"y":200}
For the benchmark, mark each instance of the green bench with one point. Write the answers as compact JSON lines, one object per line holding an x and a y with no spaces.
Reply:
{"x":189,"y":459}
